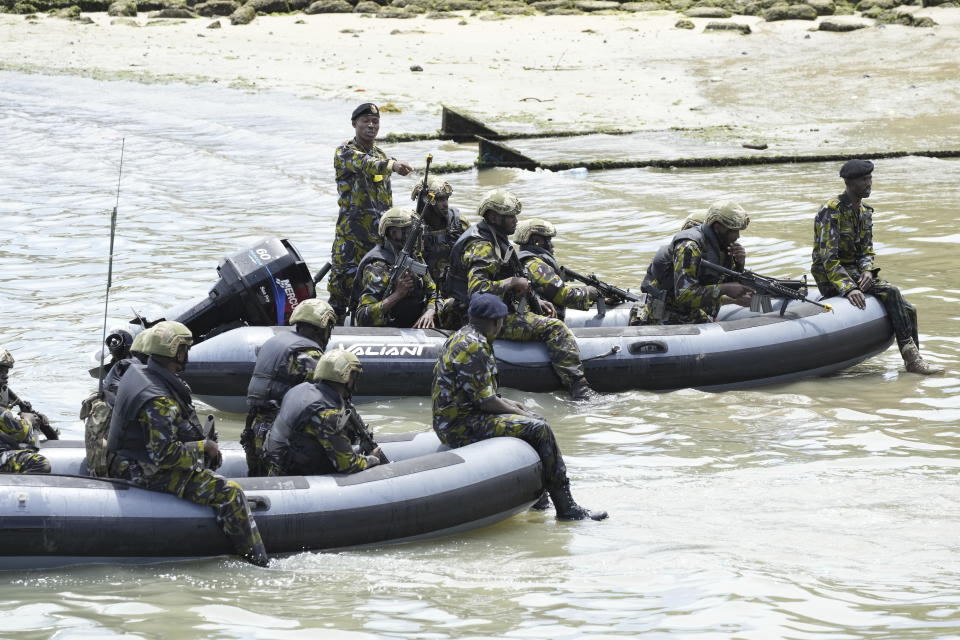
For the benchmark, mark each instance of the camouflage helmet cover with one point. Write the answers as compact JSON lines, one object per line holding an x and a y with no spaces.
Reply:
{"x":395,"y":217}
{"x":533,"y":227}
{"x":314,"y":311}
{"x":336,"y":365}
{"x":166,"y":338}
{"x":499,"y":201}
{"x":728,"y":213}
{"x":6,"y":359}
{"x":139,"y":340}
{"x":436,"y":187}
{"x":692,"y":220}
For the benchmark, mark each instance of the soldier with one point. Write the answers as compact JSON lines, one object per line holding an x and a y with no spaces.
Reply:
{"x":467,"y":407}
{"x":843,"y":260}
{"x":156,"y":441}
{"x":484,"y":261}
{"x":284,"y":361}
{"x":363,"y":183}
{"x":413,"y":299}
{"x":688,"y":293}
{"x":318,"y":424}
{"x":443,"y":224}
{"x":18,"y":437}
{"x":534,"y":236}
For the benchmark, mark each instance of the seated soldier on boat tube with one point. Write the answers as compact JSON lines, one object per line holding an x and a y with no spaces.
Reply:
{"x":679,"y":290}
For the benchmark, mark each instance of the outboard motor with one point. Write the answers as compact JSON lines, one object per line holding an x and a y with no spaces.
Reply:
{"x":259,"y":286}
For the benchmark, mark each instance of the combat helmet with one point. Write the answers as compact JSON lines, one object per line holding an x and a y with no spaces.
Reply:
{"x":6,"y":359}
{"x":499,"y":201}
{"x":692,"y":220}
{"x":396,"y":217}
{"x":533,"y":227}
{"x":314,"y":311}
{"x":165,"y":339}
{"x":728,"y":213}
{"x":436,"y":188}
{"x":336,"y":365}
{"x":139,"y":340}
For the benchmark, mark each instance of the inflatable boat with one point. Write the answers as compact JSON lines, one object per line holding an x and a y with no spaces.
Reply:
{"x":259,"y":287}
{"x":67,"y":518}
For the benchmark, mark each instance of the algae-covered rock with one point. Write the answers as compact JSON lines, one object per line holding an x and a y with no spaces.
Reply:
{"x":679,"y":5}
{"x":68,"y":13}
{"x":176,"y":13}
{"x":707,"y":12}
{"x":936,"y":3}
{"x":823,"y":7}
{"x":243,"y":15}
{"x":637,"y":7}
{"x":124,"y":22}
{"x":270,"y":6}
{"x":458,"y":5}
{"x":329,"y":6}
{"x":366,"y":6}
{"x":684,"y":24}
{"x":215,"y":25}
{"x":866,"y":5}
{"x":784,"y":11}
{"x":743,"y":29}
{"x":23,"y":8}
{"x":546,"y":5}
{"x":394,"y":12}
{"x":905,"y":18}
{"x":164,"y":22}
{"x":840,"y":26}
{"x":216,"y":8}
{"x":123,"y":8}
{"x":563,"y":11}
{"x":596,"y":5}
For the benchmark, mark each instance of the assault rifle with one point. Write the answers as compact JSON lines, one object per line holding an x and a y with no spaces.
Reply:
{"x":767,"y":288}
{"x":405,"y":260}
{"x":42,"y":422}
{"x":362,"y":432}
{"x":608,"y":292}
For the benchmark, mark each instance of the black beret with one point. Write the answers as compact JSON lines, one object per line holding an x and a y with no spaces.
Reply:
{"x":486,"y":305}
{"x":366,"y":109}
{"x":855,"y":169}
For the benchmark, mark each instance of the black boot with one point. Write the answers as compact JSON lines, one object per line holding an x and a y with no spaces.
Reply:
{"x":567,"y":509}
{"x":257,"y":556}
{"x":543,"y":503}
{"x":580,"y":390}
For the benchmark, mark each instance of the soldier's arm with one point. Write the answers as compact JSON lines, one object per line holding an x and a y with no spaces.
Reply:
{"x":14,"y":426}
{"x":302,"y":364}
{"x":159,"y":419}
{"x":339,"y":449}
{"x":549,"y":286}
{"x":827,"y":243}
{"x":349,"y":159}
{"x":370,"y":308}
{"x":430,"y":287}
{"x":686,"y":278}
{"x":865,"y":243}
{"x":476,"y":372}
{"x":482,"y":266}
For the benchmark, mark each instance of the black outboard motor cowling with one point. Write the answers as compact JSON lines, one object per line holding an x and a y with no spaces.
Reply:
{"x":258,"y":286}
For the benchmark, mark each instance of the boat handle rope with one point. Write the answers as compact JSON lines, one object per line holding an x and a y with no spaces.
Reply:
{"x":614,"y":349}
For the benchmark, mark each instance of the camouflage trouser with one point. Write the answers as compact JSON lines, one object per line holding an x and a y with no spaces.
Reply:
{"x":534,"y":431}
{"x":556,"y":336}
{"x":902,"y":314}
{"x":205,"y":488}
{"x":643,"y":314}
{"x":253,"y":438}
{"x":23,"y":461}
{"x":96,"y":414}
{"x":356,"y":234}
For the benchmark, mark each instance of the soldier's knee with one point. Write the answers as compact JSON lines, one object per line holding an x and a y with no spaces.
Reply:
{"x":40,"y":465}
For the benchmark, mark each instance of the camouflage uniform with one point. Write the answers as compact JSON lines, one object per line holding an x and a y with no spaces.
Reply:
{"x":465,"y":375}
{"x":484,"y":264}
{"x":843,"y":251}
{"x":18,"y":445}
{"x":438,"y":242}
{"x":363,"y":185}
{"x":547,"y":283}
{"x":326,"y":430}
{"x":375,"y":279}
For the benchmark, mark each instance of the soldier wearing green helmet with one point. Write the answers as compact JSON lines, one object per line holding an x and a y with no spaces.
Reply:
{"x":314,"y":432}
{"x":412,"y":302}
{"x":681,"y":292}
{"x":156,"y":441}
{"x":442,"y":225}
{"x":284,"y":361}
{"x":484,"y":261}
{"x":535,"y":239}
{"x":18,"y":431}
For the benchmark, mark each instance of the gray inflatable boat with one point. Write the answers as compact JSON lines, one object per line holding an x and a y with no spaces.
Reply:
{"x":67,"y":518}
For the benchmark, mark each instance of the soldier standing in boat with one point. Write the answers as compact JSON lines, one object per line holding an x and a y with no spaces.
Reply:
{"x":468,"y":408}
{"x":284,"y":361}
{"x":18,"y":431}
{"x":382,"y":300}
{"x":156,"y":440}
{"x":363,"y":183}
{"x":678,"y":290}
{"x":318,"y":425}
{"x":484,"y":261}
{"x":843,"y":260}
{"x":535,"y":239}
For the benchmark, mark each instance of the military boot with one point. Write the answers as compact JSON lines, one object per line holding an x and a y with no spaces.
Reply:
{"x":580,"y":390}
{"x":542,"y":503}
{"x":567,"y":509}
{"x":257,"y":555}
{"x":915,"y":362}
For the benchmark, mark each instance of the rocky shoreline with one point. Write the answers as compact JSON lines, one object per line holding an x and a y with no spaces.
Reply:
{"x":240,"y":12}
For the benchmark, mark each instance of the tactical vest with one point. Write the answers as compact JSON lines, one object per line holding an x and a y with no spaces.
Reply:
{"x":286,"y":443}
{"x":437,"y":246}
{"x":271,"y":376}
{"x":139,"y":385}
{"x":528,"y":252}
{"x":457,"y":279}
{"x":406,"y":312}
{"x":111,"y":380}
{"x":661,"y":267}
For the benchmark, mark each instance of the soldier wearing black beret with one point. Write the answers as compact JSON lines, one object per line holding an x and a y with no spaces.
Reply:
{"x":843,"y":260}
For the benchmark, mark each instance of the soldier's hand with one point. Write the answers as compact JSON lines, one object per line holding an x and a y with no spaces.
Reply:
{"x":402,"y":167}
{"x":866,"y":281}
{"x":739,"y":255}
{"x":548,"y":308}
{"x":404,"y":284}
{"x":211,"y":451}
{"x":372,"y":461}
{"x":520,"y":286}
{"x":856,"y":299}
{"x":737,"y":292}
{"x":592,"y":293}
{"x":381,"y":456}
{"x":426,"y":320}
